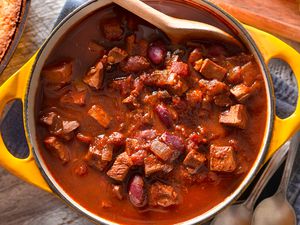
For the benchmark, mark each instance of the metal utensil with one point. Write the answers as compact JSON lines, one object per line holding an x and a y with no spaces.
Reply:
{"x":241,"y":214}
{"x":276,"y":210}
{"x":176,"y":29}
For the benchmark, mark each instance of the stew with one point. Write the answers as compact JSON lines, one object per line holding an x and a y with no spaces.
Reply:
{"x":133,"y":126}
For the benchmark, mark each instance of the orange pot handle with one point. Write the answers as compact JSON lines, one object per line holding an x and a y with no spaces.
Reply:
{"x":272,"y":47}
{"x":15,"y":88}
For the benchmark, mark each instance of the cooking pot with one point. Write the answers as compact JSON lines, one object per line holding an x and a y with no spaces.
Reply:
{"x":23,"y":85}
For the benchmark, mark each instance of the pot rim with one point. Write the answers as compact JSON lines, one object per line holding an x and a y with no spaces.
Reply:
{"x":246,"y":38}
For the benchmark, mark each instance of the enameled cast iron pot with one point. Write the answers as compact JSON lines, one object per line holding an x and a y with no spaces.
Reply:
{"x":23,"y":85}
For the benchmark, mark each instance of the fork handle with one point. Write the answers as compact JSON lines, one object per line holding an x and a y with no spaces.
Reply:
{"x":269,"y":171}
{"x":289,"y":163}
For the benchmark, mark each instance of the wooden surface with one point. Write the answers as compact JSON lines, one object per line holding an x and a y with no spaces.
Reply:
{"x":21,"y":203}
{"x":281,"y":17}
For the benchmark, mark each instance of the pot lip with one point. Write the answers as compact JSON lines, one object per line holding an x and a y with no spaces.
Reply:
{"x":248,"y":178}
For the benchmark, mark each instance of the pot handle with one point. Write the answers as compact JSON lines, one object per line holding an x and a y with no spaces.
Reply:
{"x":272,"y":47}
{"x":26,"y":169}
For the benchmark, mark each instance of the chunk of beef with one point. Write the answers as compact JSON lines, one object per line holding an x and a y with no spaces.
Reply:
{"x":234,"y":75}
{"x":166,"y":115}
{"x":195,"y":56}
{"x":95,"y":161}
{"x":124,"y":85}
{"x":63,"y":128}
{"x":161,"y":150}
{"x":74,"y":97}
{"x":112,"y":30}
{"x":116,"y":55}
{"x":57,"y":148}
{"x":84,"y":138}
{"x":48,"y":118}
{"x":134,"y":64}
{"x":60,"y":74}
{"x":211,"y":70}
{"x":180,"y":68}
{"x":138,"y":157}
{"x":250,"y":72}
{"x":194,"y":160}
{"x":194,"y":97}
{"x":213,"y":87}
{"x":117,"y":191}
{"x":137,"y":192}
{"x":241,"y":92}
{"x":69,"y":126}
{"x":117,"y":139}
{"x":94,"y":77}
{"x":236,"y":116}
{"x":222,"y":159}
{"x":162,"y":195}
{"x":98,"y":113}
{"x":99,"y":153}
{"x":223,"y":100}
{"x":163,"y":78}
{"x":120,"y":168}
{"x":154,"y":165}
{"x":107,"y":153}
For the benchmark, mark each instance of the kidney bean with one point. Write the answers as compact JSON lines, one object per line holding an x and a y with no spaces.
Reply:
{"x":137,"y":194}
{"x":156,"y":54}
{"x":164,"y":115}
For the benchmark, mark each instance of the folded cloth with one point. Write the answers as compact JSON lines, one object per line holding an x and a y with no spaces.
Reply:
{"x":286,"y":97}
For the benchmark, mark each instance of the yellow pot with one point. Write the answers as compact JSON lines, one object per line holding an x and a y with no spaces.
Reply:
{"x":23,"y":84}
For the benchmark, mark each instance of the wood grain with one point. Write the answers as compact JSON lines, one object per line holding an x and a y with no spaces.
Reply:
{"x":281,"y":17}
{"x":24,"y":204}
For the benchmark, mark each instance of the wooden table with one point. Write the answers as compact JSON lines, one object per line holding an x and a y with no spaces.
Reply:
{"x":21,"y":203}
